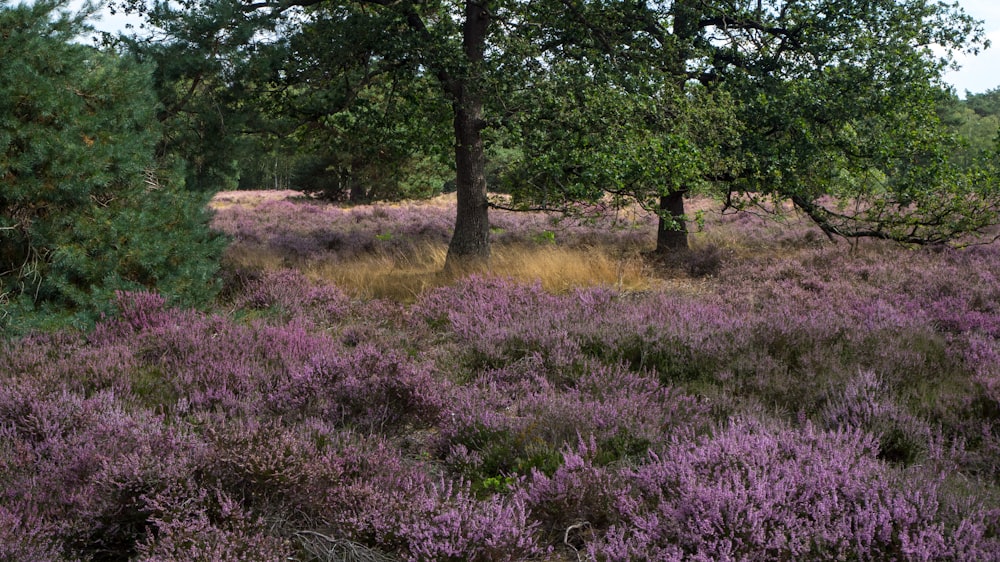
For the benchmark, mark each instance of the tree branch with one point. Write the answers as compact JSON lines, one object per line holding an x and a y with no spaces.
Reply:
{"x":822,"y":217}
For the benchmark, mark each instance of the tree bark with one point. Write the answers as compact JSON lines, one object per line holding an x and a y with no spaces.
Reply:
{"x":686,"y":15}
{"x":357,"y":193}
{"x":471,"y":241}
{"x":670,"y":239}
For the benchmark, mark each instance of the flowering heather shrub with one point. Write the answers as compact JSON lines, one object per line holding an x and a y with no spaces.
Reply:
{"x":90,"y":462}
{"x":483,"y":439}
{"x":212,"y":363}
{"x":502,"y":321}
{"x":362,"y":387}
{"x":202,"y":525}
{"x":259,"y":461}
{"x":24,"y":536}
{"x":311,"y":230}
{"x":315,"y":474}
{"x":673,"y":335}
{"x":779,"y":341}
{"x":802,"y":402}
{"x":865,"y":403}
{"x":580,"y":491}
{"x":494,"y":529}
{"x":982,"y":355}
{"x":513,"y":421}
{"x":755,"y":493}
{"x":56,"y":361}
{"x":703,"y":261}
{"x":208,"y":361}
{"x":299,"y":229}
{"x":294,"y":297}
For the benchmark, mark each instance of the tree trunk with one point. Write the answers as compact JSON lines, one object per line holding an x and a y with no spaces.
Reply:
{"x":669,"y":238}
{"x":471,"y":241}
{"x":671,"y":235}
{"x":357,"y":193}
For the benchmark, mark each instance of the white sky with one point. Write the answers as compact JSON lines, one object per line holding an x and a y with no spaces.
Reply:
{"x":982,"y":72}
{"x":978,"y":74}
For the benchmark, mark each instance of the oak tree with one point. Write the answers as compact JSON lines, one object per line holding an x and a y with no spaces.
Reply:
{"x":827,"y":103}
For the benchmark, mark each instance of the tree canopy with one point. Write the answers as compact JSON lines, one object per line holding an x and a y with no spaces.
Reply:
{"x":828,"y":103}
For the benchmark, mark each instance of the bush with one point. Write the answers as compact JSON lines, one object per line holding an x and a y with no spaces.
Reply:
{"x":753,"y":492}
{"x":84,"y":211}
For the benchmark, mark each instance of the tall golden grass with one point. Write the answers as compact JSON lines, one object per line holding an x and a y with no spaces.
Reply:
{"x":557,"y":269}
{"x":404,"y":278}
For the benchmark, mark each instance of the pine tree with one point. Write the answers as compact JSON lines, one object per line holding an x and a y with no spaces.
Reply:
{"x":84,"y":209}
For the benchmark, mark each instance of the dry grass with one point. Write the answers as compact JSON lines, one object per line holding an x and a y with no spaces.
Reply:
{"x":250,"y":199}
{"x":401,"y":279}
{"x":557,"y":269}
{"x":561,"y":269}
{"x":257,"y":258}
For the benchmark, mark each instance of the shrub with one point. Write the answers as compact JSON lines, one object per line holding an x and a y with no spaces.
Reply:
{"x":206,"y":525}
{"x":24,"y":536}
{"x":579,"y":491}
{"x":495,"y":529}
{"x":757,"y":493}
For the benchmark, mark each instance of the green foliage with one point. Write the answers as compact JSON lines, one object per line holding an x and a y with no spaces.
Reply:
{"x":623,"y":446}
{"x":502,"y":455}
{"x":257,"y":100}
{"x":84,"y":210}
{"x":498,"y":484}
{"x":986,"y":104}
{"x":583,"y":139}
{"x":545,"y":237}
{"x":216,"y":127}
{"x":976,"y":123}
{"x":386,"y":142}
{"x":829,"y":104}
{"x":849,"y":130}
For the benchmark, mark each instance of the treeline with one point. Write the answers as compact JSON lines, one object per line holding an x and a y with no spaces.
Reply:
{"x":976,"y":121}
{"x":412,"y":173}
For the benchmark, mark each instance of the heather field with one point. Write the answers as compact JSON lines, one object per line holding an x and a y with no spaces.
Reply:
{"x":771,"y":396}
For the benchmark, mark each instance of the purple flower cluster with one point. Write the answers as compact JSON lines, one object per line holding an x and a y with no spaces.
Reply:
{"x":805,"y":402}
{"x":751,"y":492}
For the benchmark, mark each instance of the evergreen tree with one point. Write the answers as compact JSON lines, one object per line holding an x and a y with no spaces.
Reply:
{"x":84,"y":209}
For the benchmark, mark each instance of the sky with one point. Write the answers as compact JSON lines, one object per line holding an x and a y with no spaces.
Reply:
{"x":977,"y":75}
{"x":982,"y":72}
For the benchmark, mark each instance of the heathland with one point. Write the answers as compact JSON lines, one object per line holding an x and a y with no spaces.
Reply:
{"x":772,"y":395}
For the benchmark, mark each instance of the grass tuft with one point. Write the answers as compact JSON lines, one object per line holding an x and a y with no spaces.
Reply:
{"x":404,"y":278}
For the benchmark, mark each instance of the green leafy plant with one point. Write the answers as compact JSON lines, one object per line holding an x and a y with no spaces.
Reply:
{"x":545,"y":237}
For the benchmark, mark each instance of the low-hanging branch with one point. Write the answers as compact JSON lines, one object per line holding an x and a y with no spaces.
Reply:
{"x":932,"y":231}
